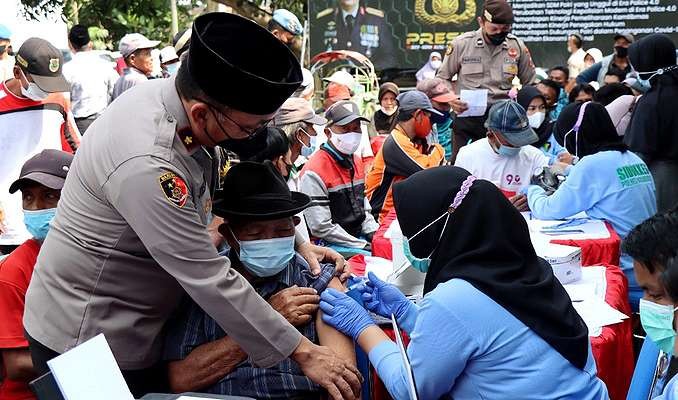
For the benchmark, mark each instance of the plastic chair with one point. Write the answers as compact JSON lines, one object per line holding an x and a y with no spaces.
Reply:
{"x":650,"y":371}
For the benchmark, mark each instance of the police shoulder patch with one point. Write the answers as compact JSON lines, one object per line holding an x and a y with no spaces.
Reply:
{"x":450,"y":49}
{"x":324,"y":12}
{"x":374,"y":11}
{"x":174,"y":188}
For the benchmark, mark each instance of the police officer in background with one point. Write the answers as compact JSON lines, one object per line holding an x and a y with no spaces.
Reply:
{"x":130,"y":234}
{"x":285,"y":26}
{"x":351,"y":26}
{"x":488,"y":58}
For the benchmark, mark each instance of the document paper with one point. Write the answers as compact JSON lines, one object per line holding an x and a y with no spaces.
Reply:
{"x":89,"y":371}
{"x":476,"y":101}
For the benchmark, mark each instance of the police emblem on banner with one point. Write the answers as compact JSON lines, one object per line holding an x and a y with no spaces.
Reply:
{"x":445,"y":11}
{"x":174,"y":188}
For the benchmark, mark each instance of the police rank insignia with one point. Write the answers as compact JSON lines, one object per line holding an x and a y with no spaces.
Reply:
{"x":174,"y":188}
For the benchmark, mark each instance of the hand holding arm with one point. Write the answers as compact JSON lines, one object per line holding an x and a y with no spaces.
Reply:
{"x":385,"y":299}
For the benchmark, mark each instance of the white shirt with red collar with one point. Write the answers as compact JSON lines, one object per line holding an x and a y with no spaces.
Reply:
{"x":26,"y":128}
{"x":509,"y":174}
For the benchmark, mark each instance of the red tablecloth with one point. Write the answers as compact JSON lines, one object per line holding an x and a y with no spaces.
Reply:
{"x":613,"y":349}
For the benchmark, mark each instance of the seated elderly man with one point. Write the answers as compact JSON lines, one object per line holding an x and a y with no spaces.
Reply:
{"x":334,"y":176}
{"x":259,"y":218}
{"x":504,"y":157}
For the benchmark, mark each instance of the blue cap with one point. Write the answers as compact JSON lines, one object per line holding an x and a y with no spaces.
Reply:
{"x":510,"y":119}
{"x":5,"y":33}
{"x":415,"y":100}
{"x":288,"y":21}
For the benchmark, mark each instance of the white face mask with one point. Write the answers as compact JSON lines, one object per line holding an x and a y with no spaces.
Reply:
{"x":346,"y":143}
{"x":33,"y":92}
{"x":536,"y":119}
{"x":436,"y":64}
{"x":387,"y":111}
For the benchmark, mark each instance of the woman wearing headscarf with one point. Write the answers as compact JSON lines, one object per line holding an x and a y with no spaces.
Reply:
{"x":535,"y":104}
{"x":386,"y":116}
{"x":608,"y":182}
{"x":653,"y":130}
{"x":428,"y":71}
{"x":494,"y":322}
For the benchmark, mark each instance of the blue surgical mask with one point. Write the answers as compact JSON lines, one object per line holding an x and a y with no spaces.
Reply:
{"x":420,"y":264}
{"x":266,"y":257}
{"x":306,"y":151}
{"x":173,"y":68}
{"x":505,"y":151}
{"x":37,"y":222}
{"x":657,"y":320}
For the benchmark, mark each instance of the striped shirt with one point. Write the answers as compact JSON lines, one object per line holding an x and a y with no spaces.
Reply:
{"x":191,"y":327}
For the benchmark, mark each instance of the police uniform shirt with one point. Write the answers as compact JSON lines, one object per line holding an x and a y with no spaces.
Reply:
{"x":479,"y":65}
{"x":130,"y":236}
{"x":365,"y":31}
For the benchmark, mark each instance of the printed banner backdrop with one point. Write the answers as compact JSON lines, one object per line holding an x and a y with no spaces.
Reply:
{"x":402,"y":33}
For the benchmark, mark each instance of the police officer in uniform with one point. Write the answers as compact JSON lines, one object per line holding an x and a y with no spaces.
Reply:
{"x":354,"y":27}
{"x":130,"y":235}
{"x":488,"y":58}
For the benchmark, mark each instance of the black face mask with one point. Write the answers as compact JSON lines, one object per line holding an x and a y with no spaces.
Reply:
{"x":621,"y":51}
{"x":498,"y":38}
{"x":440,"y":119}
{"x":7,"y":49}
{"x":245,"y":148}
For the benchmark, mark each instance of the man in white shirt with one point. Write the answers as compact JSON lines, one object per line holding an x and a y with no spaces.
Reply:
{"x":92,"y":79}
{"x":505,"y":156}
{"x":576,"y":61}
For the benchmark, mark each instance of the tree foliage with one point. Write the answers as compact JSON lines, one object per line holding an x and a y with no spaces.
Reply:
{"x":111,"y":19}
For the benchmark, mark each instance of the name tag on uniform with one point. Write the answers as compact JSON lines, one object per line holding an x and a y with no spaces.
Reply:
{"x":471,"y":60}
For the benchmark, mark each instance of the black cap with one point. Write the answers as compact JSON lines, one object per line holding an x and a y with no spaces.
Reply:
{"x":257,"y":191}
{"x":241,"y":64}
{"x":498,"y":12}
{"x":181,"y":41}
{"x":78,"y":36}
{"x":49,"y":168}
{"x":343,"y":113}
{"x":44,"y":62}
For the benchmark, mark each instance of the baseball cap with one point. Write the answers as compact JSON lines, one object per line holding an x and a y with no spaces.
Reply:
{"x":168,"y":54}
{"x":287,"y":20}
{"x":510,"y":119}
{"x":335,"y":91}
{"x":629,"y":37}
{"x":181,"y":41}
{"x":436,"y":89}
{"x":49,"y":168}
{"x":78,"y":36}
{"x":343,"y":78}
{"x":5,"y":33}
{"x":498,"y":12}
{"x":44,"y":62}
{"x":415,"y":100}
{"x":135,"y":41}
{"x":343,"y":112}
{"x":296,"y":109}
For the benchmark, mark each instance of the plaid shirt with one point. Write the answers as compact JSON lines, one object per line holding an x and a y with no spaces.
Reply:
{"x":191,"y":327}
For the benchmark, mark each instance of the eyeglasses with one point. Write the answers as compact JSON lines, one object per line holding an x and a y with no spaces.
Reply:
{"x":251,"y":132}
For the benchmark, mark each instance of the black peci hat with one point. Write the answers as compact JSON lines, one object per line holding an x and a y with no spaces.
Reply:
{"x":241,"y":64}
{"x":257,"y":191}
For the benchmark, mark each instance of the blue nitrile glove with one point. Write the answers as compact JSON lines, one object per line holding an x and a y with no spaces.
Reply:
{"x":385,"y":299}
{"x":344,"y":313}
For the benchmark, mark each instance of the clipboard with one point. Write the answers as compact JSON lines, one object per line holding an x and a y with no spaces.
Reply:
{"x":411,"y":386}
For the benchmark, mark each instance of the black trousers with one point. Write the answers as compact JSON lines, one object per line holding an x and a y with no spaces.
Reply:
{"x":466,"y":130}
{"x":140,"y":382}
